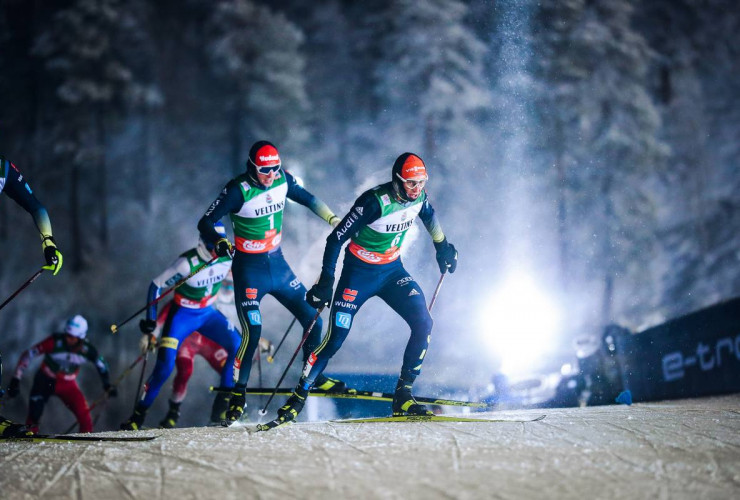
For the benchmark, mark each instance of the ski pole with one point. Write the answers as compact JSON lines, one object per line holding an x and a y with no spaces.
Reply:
{"x":141,"y":379}
{"x":114,"y":327}
{"x":271,"y":358}
{"x":263,"y":411}
{"x":104,"y":397}
{"x":23,"y":286}
{"x":436,"y":292}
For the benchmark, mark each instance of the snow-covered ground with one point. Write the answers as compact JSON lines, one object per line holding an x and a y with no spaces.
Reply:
{"x":679,"y":449}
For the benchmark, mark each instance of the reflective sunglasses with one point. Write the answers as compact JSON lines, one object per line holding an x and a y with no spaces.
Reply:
{"x":411,"y":184}
{"x":266,"y":170}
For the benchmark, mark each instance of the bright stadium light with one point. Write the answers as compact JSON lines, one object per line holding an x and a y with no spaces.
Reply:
{"x":520,"y":324}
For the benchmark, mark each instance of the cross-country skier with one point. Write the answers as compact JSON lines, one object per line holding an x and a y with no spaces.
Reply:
{"x":255,"y":201}
{"x":376,"y":226}
{"x":63,"y":355}
{"x":14,"y":185}
{"x":192,"y":310}
{"x":214,"y":354}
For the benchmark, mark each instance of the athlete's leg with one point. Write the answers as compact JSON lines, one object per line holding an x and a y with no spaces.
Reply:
{"x":42,"y":389}
{"x":184,"y":364}
{"x":291,"y":293}
{"x":180,"y":323}
{"x":70,"y":394}
{"x":220,"y":330}
{"x":404,"y":295}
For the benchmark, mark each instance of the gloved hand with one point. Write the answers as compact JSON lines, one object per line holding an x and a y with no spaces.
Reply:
{"x":446,"y":256}
{"x":147,"y":325}
{"x":334,"y":220}
{"x":224,"y":248}
{"x":14,"y":388}
{"x":112,"y":390}
{"x":320,"y":294}
{"x":52,"y":255}
{"x":147,"y":342}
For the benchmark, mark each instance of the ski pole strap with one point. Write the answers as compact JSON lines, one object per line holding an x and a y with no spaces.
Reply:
{"x":436,"y":292}
{"x":115,"y":327}
{"x":270,"y":359}
{"x":306,"y":333}
{"x":23,"y":287}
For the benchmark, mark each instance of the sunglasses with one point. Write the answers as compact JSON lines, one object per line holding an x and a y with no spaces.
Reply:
{"x":411,"y":184}
{"x":266,"y":170}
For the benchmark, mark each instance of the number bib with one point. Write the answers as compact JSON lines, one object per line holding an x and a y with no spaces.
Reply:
{"x":258,"y":224}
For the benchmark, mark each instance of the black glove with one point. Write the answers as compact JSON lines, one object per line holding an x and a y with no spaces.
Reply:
{"x":446,"y":256}
{"x":52,"y":255}
{"x":147,"y":325}
{"x":224,"y":248}
{"x":320,"y":294}
{"x":112,"y":390}
{"x":14,"y":388}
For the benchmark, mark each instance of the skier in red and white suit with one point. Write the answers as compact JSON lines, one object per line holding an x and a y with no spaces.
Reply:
{"x":63,"y":355}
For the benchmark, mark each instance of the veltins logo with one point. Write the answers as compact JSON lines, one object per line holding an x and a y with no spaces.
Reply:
{"x":349,"y":295}
{"x":251,"y":293}
{"x":255,"y":317}
{"x":343,"y":320}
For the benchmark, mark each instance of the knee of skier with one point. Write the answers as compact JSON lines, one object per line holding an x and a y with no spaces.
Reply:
{"x":423,"y":324}
{"x":167,"y":349}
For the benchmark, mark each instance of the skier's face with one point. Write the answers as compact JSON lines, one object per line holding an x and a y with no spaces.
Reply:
{"x":413,"y":188}
{"x":71,"y":340}
{"x":268,"y":178}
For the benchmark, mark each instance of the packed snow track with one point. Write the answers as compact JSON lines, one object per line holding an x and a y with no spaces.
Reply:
{"x":685,"y":449}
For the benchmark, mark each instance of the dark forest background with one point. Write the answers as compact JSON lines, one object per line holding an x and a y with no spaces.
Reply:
{"x":593,"y":144}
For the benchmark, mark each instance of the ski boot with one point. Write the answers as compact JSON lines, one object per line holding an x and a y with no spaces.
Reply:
{"x":405,"y":404}
{"x":8,"y":429}
{"x":324,"y":383}
{"x":137,"y":419}
{"x":237,"y":404}
{"x":219,"y":408}
{"x":289,"y":411}
{"x":170,"y":420}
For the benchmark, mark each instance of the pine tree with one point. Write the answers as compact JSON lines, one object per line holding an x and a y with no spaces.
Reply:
{"x":602,"y":126}
{"x":91,"y":81}
{"x":431,"y":79}
{"x":257,"y":53}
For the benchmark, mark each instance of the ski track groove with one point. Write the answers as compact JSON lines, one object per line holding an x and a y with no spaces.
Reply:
{"x":180,"y":458}
{"x":118,"y":480}
{"x":456,"y":453}
{"x":334,"y":436}
{"x":17,"y":454}
{"x":79,"y":481}
{"x":63,"y":470}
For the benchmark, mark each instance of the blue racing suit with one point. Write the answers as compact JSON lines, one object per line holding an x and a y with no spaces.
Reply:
{"x":192,"y":310}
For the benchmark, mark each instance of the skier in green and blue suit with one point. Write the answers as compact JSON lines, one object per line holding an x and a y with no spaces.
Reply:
{"x":254,"y":201}
{"x":13,"y":184}
{"x":376,"y":226}
{"x":192,"y":310}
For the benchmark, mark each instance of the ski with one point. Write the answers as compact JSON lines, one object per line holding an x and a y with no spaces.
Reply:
{"x":355,"y":394}
{"x":62,"y":438}
{"x":431,"y":418}
{"x":272,"y":424}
